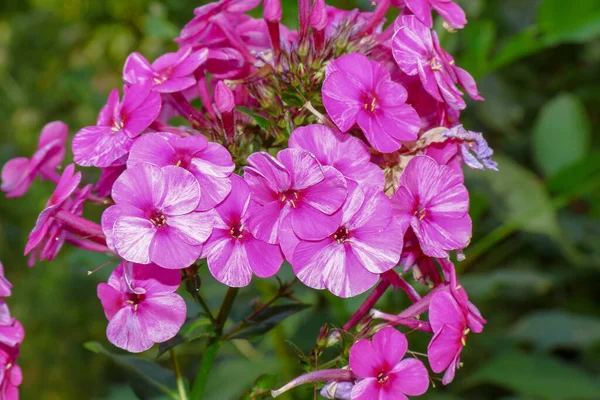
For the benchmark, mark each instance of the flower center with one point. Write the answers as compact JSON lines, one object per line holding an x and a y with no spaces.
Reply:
{"x":157,"y":218}
{"x":341,"y":235}
{"x":182,"y":160}
{"x":420,"y":212}
{"x":382,"y":378}
{"x":118,"y":125}
{"x":463,"y":339}
{"x":291,"y":197}
{"x":236,"y":230}
{"x":435,"y":63}
{"x":160,"y":79}
{"x":370,"y":103}
{"x":135,"y":299}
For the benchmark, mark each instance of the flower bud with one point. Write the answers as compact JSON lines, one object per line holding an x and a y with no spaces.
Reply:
{"x":272,"y":10}
{"x":224,"y":99}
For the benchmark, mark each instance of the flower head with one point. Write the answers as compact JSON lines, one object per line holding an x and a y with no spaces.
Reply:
{"x":386,"y":375}
{"x":171,"y":72}
{"x":449,"y":10}
{"x":360,"y":91}
{"x":293,"y":184}
{"x":19,"y":173}
{"x":105,"y":144}
{"x":155,"y":218}
{"x":141,"y":304}
{"x":366,"y":243}
{"x":434,"y":202}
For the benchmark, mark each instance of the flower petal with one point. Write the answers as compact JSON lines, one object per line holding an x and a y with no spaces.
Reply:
{"x":132,"y":237}
{"x":304,"y":169}
{"x":411,"y":377}
{"x":389,"y":347}
{"x":182,"y":191}
{"x":227,"y":259}
{"x":311,"y":224}
{"x":163,"y":316}
{"x":329,"y":194}
{"x":141,"y":186}
{"x":264,"y":258}
{"x":264,"y":223}
{"x":126,"y":331}
{"x":169,"y":249}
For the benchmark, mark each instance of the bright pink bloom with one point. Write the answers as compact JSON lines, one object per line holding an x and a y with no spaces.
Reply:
{"x":171,"y":72}
{"x":450,"y":12}
{"x":366,"y":243}
{"x":293,"y":184}
{"x":104,"y":144}
{"x":347,"y":154}
{"x":107,"y":179}
{"x":450,"y":334}
{"x":360,"y":91}
{"x":155,"y":218}
{"x":233,"y":254}
{"x":19,"y":173}
{"x":209,"y":162}
{"x":11,"y":376}
{"x":433,"y":200}
{"x":141,"y":304}
{"x":386,"y":375}
{"x":417,"y":51}
{"x":5,"y":285}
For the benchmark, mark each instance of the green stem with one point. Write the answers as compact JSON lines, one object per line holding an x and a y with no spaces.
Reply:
{"x":178,"y":377}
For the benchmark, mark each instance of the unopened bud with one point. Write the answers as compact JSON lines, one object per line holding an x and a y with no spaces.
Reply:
{"x":224,"y":99}
{"x":272,"y":10}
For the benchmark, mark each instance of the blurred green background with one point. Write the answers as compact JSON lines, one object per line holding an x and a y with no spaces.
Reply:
{"x":533,"y":267}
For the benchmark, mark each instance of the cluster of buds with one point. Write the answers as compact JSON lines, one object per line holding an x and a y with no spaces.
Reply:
{"x":336,"y":148}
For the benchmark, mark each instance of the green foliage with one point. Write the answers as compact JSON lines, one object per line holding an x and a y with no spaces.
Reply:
{"x":267,"y":319}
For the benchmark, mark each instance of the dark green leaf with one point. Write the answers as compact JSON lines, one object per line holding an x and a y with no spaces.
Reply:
{"x":507,"y":283}
{"x":575,"y":175}
{"x":158,"y":377}
{"x":260,"y":120}
{"x":521,"y":45}
{"x":569,"y":20}
{"x":292,"y":99}
{"x":193,"y":329}
{"x":267,"y":319}
{"x":479,"y":37}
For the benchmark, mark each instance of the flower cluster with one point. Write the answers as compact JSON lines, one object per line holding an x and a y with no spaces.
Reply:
{"x":336,"y":148}
{"x":11,"y":337}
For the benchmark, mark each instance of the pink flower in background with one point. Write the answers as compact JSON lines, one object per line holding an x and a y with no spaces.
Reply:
{"x":5,"y":285}
{"x":449,"y":11}
{"x":366,"y":243}
{"x":154,"y":219}
{"x":434,"y":202}
{"x":107,"y":179}
{"x":11,"y":376}
{"x":209,"y":162}
{"x":417,"y":51}
{"x":293,"y":184}
{"x":141,"y":305}
{"x":105,"y":144}
{"x":360,"y":91}
{"x":386,"y":375}
{"x":347,"y":154}
{"x":450,"y":332}
{"x":171,"y":72}
{"x":232,"y":253}
{"x":19,"y":173}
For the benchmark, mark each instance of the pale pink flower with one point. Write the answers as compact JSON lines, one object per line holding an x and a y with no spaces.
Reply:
{"x":448,"y":9}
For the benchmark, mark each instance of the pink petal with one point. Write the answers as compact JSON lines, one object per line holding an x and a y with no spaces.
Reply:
{"x":107,"y":113}
{"x":403,"y":206}
{"x":342,"y":99}
{"x":312,"y":258}
{"x":212,"y":168}
{"x":163,"y":316}
{"x":411,"y":377}
{"x":264,"y":224}
{"x":264,"y":258}
{"x":182,"y":192}
{"x":111,"y":214}
{"x":378,"y":250}
{"x":110,"y":298}
{"x":369,"y":389}
{"x":155,"y":280}
{"x":139,"y":109}
{"x":350,"y":278}
{"x":353,"y":203}
{"x":288,"y":239}
{"x":127,"y":331}
{"x":439,"y":235}
{"x":363,"y":360}
{"x":16,"y":179}
{"x":169,"y":249}
{"x":375,"y":132}
{"x":451,"y":13}
{"x":375,"y":212}
{"x":142,"y":186}
{"x":132,"y":237}
{"x":227,"y":259}
{"x":411,"y":44}
{"x":422,"y":10}
{"x":275,"y":174}
{"x":389,"y":347}
{"x":468,"y":83}
{"x":444,"y":310}
{"x":137,"y":69}
{"x":311,"y":224}
{"x":235,"y":205}
{"x":193,"y":228}
{"x":174,"y":84}
{"x":190,"y":63}
{"x":99,"y":146}
{"x":329,"y":194}
{"x":153,"y":148}
{"x":304,"y":169}
{"x":443,"y":348}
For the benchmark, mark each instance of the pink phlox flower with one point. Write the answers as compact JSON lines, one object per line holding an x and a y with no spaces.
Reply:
{"x":360,"y":91}
{"x":386,"y":375}
{"x":434,"y":202}
{"x":171,"y":72}
{"x":226,"y":63}
{"x":19,"y":173}
{"x":448,"y":10}
{"x":155,"y":218}
{"x":141,"y":305}
{"x":412,"y":258}
{"x":347,"y":154}
{"x":353,"y":19}
{"x":366,"y":243}
{"x":11,"y":375}
{"x":209,"y":162}
{"x":293,"y":184}
{"x":107,"y":179}
{"x":105,"y":144}
{"x":233,"y":253}
{"x":5,"y":285}
{"x":417,"y":51}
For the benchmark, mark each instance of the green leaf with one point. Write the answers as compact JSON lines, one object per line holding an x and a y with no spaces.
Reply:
{"x":576,"y":175}
{"x":561,"y":135}
{"x":513,"y":283}
{"x":524,"y":43}
{"x":551,"y":329}
{"x":158,"y":377}
{"x":262,"y":386}
{"x":193,"y":329}
{"x":576,"y":21}
{"x":267,"y":319}
{"x":292,"y":99}
{"x":540,"y":377}
{"x":479,"y":39}
{"x":260,"y":120}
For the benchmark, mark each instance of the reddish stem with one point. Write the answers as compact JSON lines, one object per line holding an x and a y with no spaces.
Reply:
{"x":376,"y":17}
{"x":368,"y":304}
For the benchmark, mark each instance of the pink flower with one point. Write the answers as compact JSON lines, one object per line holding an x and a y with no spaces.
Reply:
{"x":141,"y":305}
{"x":347,"y":154}
{"x":450,"y":12}
{"x":19,"y":173}
{"x":358,"y":90}
{"x":293,"y":184}
{"x":233,"y":254}
{"x":155,"y":218}
{"x":104,"y":144}
{"x":433,"y":200}
{"x":386,"y":376}
{"x":5,"y":285}
{"x":11,"y":376}
{"x":450,"y":334}
{"x":107,"y":179}
{"x":417,"y":51}
{"x":209,"y":162}
{"x":171,"y":72}
{"x":367,"y":242}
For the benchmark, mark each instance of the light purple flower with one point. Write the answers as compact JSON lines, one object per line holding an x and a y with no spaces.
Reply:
{"x":19,"y":173}
{"x":141,"y":304}
{"x":360,"y":91}
{"x":366,"y":243}
{"x":386,"y":375}
{"x":293,"y":184}
{"x":232,"y":253}
{"x":347,"y":154}
{"x":449,"y":10}
{"x":155,"y":218}
{"x":171,"y":72}
{"x":433,"y":200}
{"x":209,"y":162}
{"x":417,"y":51}
{"x":105,"y":144}
{"x":474,"y":149}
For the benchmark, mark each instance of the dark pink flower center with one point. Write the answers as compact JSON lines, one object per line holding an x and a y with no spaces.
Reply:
{"x":182,"y":159}
{"x":290,"y":196}
{"x":382,"y":377}
{"x":370,"y":102}
{"x":435,"y":63}
{"x":341,"y":235}
{"x":135,"y":299}
{"x":118,"y":126}
{"x":236,"y":230}
{"x":420,"y":212}
{"x":157,"y":218}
